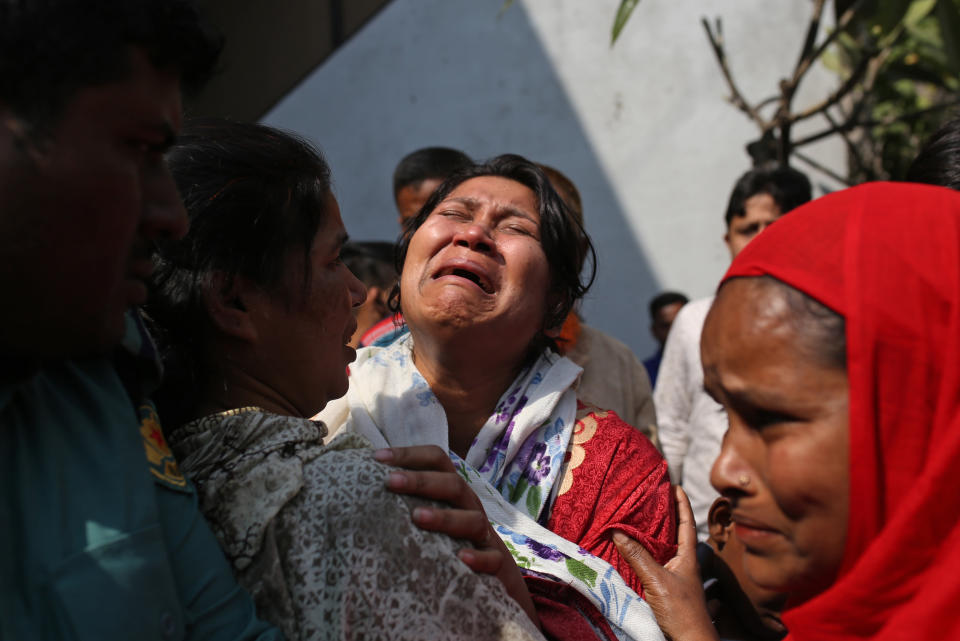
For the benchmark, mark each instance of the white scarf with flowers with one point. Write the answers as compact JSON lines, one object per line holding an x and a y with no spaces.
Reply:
{"x":513,"y":465}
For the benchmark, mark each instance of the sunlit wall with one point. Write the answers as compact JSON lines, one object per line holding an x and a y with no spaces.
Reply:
{"x":642,"y":128}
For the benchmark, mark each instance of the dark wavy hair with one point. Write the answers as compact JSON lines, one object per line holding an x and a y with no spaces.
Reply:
{"x":426,"y":163}
{"x":788,"y":187}
{"x":49,"y":49}
{"x":562,"y":236}
{"x":254,"y":196}
{"x":938,"y":162}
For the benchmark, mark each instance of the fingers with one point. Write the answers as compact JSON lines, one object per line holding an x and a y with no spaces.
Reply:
{"x":448,"y":487}
{"x":417,"y":457}
{"x":644,"y":565}
{"x":484,"y":561}
{"x":460,"y":524}
{"x":686,"y":559}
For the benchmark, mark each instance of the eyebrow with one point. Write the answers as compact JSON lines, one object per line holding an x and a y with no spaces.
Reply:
{"x":473,"y":203}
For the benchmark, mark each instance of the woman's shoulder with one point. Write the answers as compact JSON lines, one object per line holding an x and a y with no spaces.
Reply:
{"x":606,"y":426}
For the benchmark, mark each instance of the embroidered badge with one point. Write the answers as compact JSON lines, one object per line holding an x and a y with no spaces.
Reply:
{"x":160,"y":459}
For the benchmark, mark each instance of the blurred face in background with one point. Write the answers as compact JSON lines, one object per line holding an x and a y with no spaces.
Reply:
{"x":410,"y":199}
{"x":759,"y":211}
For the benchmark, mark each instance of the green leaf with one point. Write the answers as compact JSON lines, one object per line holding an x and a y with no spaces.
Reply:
{"x":623,"y":14}
{"x":533,"y":501}
{"x":518,"y":491}
{"x":948,"y":11}
{"x":890,"y":13}
{"x":521,"y":560}
{"x":917,"y":11}
{"x":582,"y":572}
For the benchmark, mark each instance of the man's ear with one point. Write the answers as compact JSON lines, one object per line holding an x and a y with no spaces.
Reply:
{"x":718,"y":521}
{"x":226,"y":300}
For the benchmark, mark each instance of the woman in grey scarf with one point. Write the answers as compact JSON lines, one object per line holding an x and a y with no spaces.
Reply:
{"x":254,"y":310}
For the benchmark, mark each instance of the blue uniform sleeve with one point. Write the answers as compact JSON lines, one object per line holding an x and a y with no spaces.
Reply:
{"x":216,"y":608}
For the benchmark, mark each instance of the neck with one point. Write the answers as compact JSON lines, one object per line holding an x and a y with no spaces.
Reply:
{"x":229,"y":386}
{"x":468,"y":386}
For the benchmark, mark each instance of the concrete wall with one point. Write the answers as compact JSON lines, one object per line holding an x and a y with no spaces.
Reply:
{"x":642,"y":128}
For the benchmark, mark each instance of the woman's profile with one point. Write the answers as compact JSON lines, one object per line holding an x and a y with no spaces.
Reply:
{"x":833,"y":347}
{"x":254,"y":309}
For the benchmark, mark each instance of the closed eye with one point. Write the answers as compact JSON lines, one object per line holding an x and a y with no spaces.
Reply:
{"x":759,"y":418}
{"x":454,"y":213}
{"x":518,"y":229}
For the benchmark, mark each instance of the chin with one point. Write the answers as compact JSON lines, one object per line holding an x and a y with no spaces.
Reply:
{"x":97,"y":338}
{"x":339,"y":389}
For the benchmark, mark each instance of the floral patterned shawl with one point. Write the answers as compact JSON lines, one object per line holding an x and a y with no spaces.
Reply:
{"x":514,"y":464}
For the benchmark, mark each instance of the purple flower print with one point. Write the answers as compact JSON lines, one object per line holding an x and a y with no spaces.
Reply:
{"x":544,"y":551}
{"x":497,"y":451}
{"x":539,"y":465}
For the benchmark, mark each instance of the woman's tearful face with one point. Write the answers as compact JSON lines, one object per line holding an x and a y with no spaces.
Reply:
{"x":784,"y":464}
{"x":477,"y":263}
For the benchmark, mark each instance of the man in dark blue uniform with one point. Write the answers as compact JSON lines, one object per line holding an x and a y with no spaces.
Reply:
{"x":100,"y":537}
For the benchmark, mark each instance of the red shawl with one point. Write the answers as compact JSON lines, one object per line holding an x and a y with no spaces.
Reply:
{"x":887,"y":257}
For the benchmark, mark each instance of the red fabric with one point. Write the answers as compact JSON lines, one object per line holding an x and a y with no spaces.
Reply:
{"x":620,"y":482}
{"x":887,"y":257}
{"x":565,"y":614}
{"x":569,"y":333}
{"x":381,"y":328}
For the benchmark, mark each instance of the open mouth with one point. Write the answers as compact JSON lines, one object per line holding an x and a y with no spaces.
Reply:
{"x":473,"y":277}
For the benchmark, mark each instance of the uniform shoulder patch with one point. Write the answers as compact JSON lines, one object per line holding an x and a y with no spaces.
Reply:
{"x":160,"y":461}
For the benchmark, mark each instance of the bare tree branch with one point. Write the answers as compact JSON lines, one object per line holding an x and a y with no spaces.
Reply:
{"x":858,"y":72}
{"x":803,"y":62}
{"x":816,"y":165}
{"x":716,"y":42}
{"x":853,"y":152}
{"x":766,"y":101}
{"x":842,"y":24}
{"x":850,"y":124}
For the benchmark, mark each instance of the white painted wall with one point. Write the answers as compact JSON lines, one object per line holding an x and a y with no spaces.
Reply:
{"x":642,"y":128}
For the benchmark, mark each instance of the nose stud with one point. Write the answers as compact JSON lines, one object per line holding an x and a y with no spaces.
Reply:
{"x":743,"y":480}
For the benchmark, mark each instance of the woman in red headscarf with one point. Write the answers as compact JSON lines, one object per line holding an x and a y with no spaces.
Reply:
{"x":834,"y":346}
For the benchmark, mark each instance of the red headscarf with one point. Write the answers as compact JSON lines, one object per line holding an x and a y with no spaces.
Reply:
{"x":886,"y":257}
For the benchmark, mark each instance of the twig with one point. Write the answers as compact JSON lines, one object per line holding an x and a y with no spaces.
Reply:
{"x":850,"y":124}
{"x":813,"y":163}
{"x":803,"y":62}
{"x":852,"y":149}
{"x":716,"y":42}
{"x":858,"y":72}
{"x":842,"y":24}
{"x":766,"y":101}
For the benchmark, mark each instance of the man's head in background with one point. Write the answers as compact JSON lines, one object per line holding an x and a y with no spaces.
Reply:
{"x":419,"y":173}
{"x":373,"y":264}
{"x":759,"y":197}
{"x":90,"y":98}
{"x":749,"y":610}
{"x":569,"y":194}
{"x":663,"y":309}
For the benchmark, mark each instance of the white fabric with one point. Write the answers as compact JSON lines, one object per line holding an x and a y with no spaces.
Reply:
{"x":691,"y":424}
{"x":390,"y":403}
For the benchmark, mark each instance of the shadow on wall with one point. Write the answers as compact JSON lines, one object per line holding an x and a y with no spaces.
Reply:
{"x":458,"y":73}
